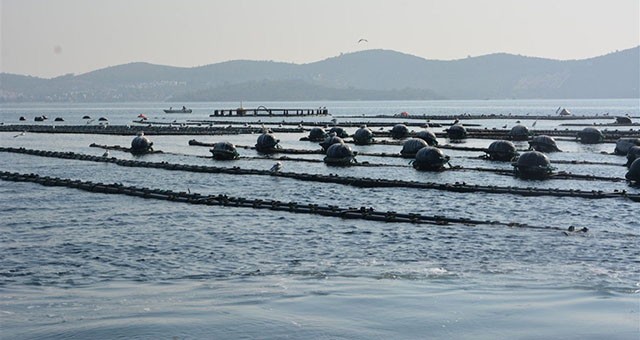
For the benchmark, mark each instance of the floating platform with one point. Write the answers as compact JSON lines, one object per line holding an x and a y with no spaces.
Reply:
{"x":263,"y":111}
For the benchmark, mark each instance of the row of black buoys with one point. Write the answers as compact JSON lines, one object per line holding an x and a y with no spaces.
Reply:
{"x":544,"y":143}
{"x":501,"y":150}
{"x":340,"y":132}
{"x":428,"y":137}
{"x":224,"y":151}
{"x":456,"y":132}
{"x":141,"y":144}
{"x":363,"y":136}
{"x":330,"y":140}
{"x":632,"y":155}
{"x":340,"y":154}
{"x":399,"y":131}
{"x":533,"y":165}
{"x":633,"y":174}
{"x":590,"y":135}
{"x":411,"y":147}
{"x":624,"y":144}
{"x":430,"y":158}
{"x":519,"y":133}
{"x":267,"y":143}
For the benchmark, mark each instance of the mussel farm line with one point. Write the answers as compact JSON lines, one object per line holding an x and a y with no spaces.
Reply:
{"x":362,"y":182}
{"x":363,"y":213}
{"x":126,"y":130}
{"x":194,"y":142}
{"x":485,"y":116}
{"x":559,"y":175}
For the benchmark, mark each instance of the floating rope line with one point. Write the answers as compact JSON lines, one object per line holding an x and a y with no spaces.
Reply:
{"x":558,"y":175}
{"x":194,"y":142}
{"x":126,"y":130}
{"x":485,"y":116}
{"x":363,"y":213}
{"x":361,"y":182}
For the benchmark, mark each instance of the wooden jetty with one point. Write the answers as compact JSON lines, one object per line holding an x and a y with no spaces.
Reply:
{"x":263,"y":111}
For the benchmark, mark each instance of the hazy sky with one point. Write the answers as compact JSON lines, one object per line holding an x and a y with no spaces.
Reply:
{"x":49,"y":38}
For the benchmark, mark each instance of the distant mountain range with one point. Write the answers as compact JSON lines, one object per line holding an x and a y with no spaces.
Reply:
{"x":366,"y":75}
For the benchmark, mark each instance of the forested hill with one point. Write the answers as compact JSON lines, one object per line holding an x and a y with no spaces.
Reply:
{"x":366,"y":75}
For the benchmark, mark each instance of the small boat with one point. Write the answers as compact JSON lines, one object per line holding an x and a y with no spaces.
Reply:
{"x":182,"y":110}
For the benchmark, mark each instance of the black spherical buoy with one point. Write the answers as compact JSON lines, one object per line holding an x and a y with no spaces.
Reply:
{"x":399,"y":131}
{"x":86,"y":117}
{"x":624,"y":144}
{"x":332,"y":139}
{"x":519,"y":132}
{"x":339,"y":154}
{"x":224,"y":151}
{"x":501,"y":150}
{"x":633,"y":174}
{"x":411,"y":146}
{"x":363,"y":136}
{"x":38,"y":119}
{"x":22,"y":118}
{"x":456,"y":131}
{"x":103,"y":119}
{"x":533,"y":165}
{"x":544,"y":143}
{"x":267,"y":143}
{"x":59,"y":119}
{"x":141,"y":144}
{"x":340,"y":132}
{"x":632,"y":155}
{"x":590,"y":135}
{"x":428,"y":137}
{"x":430,"y":158}
{"x":317,"y":134}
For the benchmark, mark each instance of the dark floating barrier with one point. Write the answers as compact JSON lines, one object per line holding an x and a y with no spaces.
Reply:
{"x":141,"y":144}
{"x":533,"y":165}
{"x":224,"y":151}
{"x":362,"y":182}
{"x":339,"y":154}
{"x":363,"y":213}
{"x":430,"y":158}
{"x":501,"y":150}
{"x":488,"y":116}
{"x":590,"y":135}
{"x":126,"y":130}
{"x":363,"y":136}
{"x":544,"y":143}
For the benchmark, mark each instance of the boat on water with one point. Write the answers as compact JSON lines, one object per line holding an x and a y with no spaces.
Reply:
{"x":182,"y":110}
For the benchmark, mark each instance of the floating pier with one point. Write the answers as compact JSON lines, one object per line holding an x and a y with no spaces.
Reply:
{"x":263,"y":111}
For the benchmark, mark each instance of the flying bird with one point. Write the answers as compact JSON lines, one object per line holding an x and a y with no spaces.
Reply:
{"x":20,"y":134}
{"x":362,"y":40}
{"x":534,"y":123}
{"x":276,"y":167}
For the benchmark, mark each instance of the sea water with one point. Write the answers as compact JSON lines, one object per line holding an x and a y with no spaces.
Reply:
{"x":79,"y":265}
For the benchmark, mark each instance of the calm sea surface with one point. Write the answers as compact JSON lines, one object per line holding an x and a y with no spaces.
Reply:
{"x":82,"y":265}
